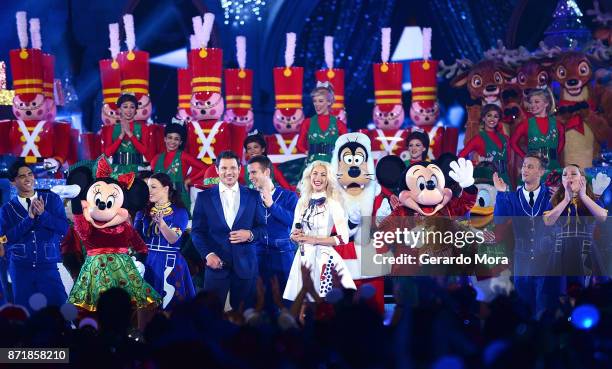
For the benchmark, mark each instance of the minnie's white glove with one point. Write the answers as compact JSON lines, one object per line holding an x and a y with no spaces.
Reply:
{"x":51,"y":164}
{"x":140,"y":266}
{"x":462,"y":171}
{"x":66,"y":191}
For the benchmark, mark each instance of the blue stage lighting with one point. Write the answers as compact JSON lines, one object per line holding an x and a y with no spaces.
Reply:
{"x":585,"y":317}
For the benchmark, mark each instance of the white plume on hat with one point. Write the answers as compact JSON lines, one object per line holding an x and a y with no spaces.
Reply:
{"x":130,"y":34}
{"x":385,"y":44}
{"x":328,"y":47}
{"x":241,"y":51}
{"x":197,"y":32}
{"x":115,"y":43}
{"x":35,"y":34}
{"x":193,"y":42}
{"x":290,"y":49}
{"x":22,"y":29}
{"x":426,"y":43}
{"x":209,"y":20}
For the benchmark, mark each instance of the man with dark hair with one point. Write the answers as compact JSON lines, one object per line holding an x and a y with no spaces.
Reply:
{"x":34,"y":225}
{"x":275,"y":251}
{"x":524,"y":208}
{"x":255,"y":145}
{"x":227,"y":222}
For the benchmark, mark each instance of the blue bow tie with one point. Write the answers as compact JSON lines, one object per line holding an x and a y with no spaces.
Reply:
{"x":316,"y":202}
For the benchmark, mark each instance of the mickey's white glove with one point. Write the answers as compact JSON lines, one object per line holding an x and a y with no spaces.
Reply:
{"x":66,"y":191}
{"x":462,"y":171}
{"x":600,"y":183}
{"x":51,"y":164}
{"x":140,"y":266}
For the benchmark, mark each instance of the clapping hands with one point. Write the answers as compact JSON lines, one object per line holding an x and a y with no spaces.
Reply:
{"x":37,"y":207}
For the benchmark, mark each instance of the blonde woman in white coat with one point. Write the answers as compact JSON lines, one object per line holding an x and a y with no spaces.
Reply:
{"x":324,"y":224}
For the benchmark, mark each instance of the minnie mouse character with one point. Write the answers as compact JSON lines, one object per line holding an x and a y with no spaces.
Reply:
{"x":101,"y":220}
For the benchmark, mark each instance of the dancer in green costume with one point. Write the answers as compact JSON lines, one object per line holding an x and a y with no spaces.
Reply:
{"x":319,"y":133}
{"x":126,"y":141}
{"x":176,"y":163}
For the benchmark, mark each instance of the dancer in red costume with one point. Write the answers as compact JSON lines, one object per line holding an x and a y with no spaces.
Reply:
{"x":491,"y":144}
{"x":542,"y":131}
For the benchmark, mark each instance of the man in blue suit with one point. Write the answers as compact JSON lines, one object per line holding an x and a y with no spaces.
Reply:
{"x":532,"y":239}
{"x":275,"y":251}
{"x":227,"y":223}
{"x":34,"y":224}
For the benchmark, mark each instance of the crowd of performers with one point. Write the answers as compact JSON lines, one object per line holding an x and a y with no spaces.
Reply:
{"x":141,"y":198}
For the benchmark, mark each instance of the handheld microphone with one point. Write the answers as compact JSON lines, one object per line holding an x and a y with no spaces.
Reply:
{"x":298,"y":226}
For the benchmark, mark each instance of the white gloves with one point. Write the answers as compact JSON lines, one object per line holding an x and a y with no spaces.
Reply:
{"x":66,"y":191}
{"x":462,"y":171}
{"x":140,"y":266}
{"x":354,"y":215}
{"x":600,"y":183}
{"x":384,"y":211}
{"x":51,"y":164}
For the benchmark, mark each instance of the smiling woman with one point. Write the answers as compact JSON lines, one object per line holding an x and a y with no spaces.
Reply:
{"x":318,"y":212}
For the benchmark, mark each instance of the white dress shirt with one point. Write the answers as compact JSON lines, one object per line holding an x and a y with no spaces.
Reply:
{"x":536,"y":192}
{"x":24,"y":203}
{"x":230,"y":200}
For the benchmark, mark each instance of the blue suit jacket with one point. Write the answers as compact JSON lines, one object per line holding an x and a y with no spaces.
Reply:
{"x":210,"y":232}
{"x":34,"y":242}
{"x":514,"y":204}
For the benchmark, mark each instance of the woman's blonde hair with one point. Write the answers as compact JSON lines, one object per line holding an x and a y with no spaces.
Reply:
{"x":547,"y":94}
{"x":320,"y":90}
{"x":305,"y":187}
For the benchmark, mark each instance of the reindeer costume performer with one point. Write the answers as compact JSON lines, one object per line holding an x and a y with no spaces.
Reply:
{"x":585,"y":128}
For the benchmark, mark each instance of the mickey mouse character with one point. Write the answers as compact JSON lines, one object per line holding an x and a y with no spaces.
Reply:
{"x":101,"y":220}
{"x":429,"y":193}
{"x":443,"y":187}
